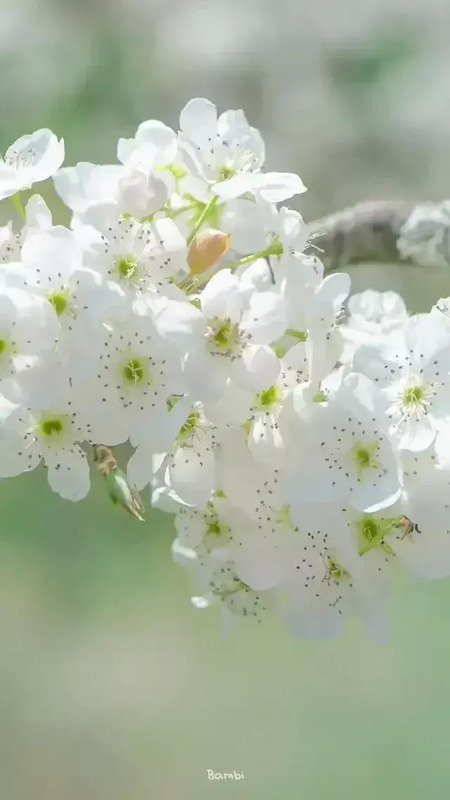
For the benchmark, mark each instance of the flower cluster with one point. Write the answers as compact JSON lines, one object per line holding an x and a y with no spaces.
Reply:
{"x":300,"y":438}
{"x":425,"y":236}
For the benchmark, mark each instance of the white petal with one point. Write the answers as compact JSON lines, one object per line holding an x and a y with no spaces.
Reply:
{"x":198,"y":119}
{"x":275,"y":187}
{"x":222,"y":296}
{"x":192,"y":473}
{"x":68,"y":472}
{"x":257,"y":369}
{"x":179,"y":323}
{"x":140,"y":466}
{"x":234,"y":187}
{"x":265,"y":318}
{"x":205,"y":376}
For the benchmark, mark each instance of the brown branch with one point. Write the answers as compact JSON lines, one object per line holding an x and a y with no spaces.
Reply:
{"x":366,"y":232}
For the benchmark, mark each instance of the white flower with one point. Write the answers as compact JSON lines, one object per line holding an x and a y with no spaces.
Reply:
{"x":254,"y":487}
{"x":137,"y":256}
{"x":27,"y":327}
{"x":10,"y":244}
{"x":134,"y":375}
{"x":201,"y":544}
{"x":269,"y":415}
{"x":262,"y":550}
{"x":141,"y":195}
{"x":154,"y":146}
{"x":87,"y":185}
{"x":229,"y":154}
{"x":37,"y":217}
{"x":371,"y":315}
{"x":52,"y":269}
{"x":321,"y":318}
{"x":412,"y":366}
{"x":191,"y":462}
{"x":327,"y":579}
{"x":257,"y":224}
{"x":51,"y":436}
{"x":228,"y":337}
{"x":344,"y":451}
{"x":425,"y":235}
{"x":304,"y":449}
{"x":189,"y":466}
{"x":28,"y":334}
{"x":442,"y":309}
{"x":423,"y":543}
{"x":218,"y":582}
{"x":31,"y":159}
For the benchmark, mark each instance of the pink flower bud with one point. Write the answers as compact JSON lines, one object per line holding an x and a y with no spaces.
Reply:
{"x":207,"y":249}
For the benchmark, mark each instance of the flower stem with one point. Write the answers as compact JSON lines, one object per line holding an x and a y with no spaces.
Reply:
{"x":300,"y":335}
{"x":203,"y":216}
{"x":274,"y":249}
{"x":18,"y":206}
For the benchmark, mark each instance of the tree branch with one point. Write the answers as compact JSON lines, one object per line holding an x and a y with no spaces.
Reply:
{"x":366,"y":232}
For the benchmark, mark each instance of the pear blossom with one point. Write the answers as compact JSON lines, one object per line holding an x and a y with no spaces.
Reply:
{"x":52,"y":436}
{"x":228,"y":336}
{"x":424,"y":237}
{"x":137,"y":256}
{"x":154,"y":146}
{"x":134,"y":374}
{"x":327,"y":579}
{"x":300,"y":436}
{"x":189,"y":466}
{"x":31,"y":159}
{"x":87,"y":185}
{"x":269,"y":414}
{"x":412,"y":368}
{"x":229,"y":154}
{"x":346,"y":451}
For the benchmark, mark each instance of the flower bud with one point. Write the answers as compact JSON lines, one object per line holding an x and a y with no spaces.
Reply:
{"x":207,"y":249}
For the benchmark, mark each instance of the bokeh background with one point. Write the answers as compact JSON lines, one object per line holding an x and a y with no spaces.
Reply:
{"x":112,"y":687}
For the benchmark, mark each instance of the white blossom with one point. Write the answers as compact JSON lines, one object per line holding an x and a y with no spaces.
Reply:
{"x":31,"y":159}
{"x":228,"y":336}
{"x":412,"y":368}
{"x":300,"y":436}
{"x":228,"y":153}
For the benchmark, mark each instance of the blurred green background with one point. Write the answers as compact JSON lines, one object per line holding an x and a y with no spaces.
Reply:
{"x":112,"y":687}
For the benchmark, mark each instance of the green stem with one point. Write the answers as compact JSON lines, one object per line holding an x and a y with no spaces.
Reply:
{"x":274,"y":249}
{"x":18,"y":206}
{"x":197,"y":284}
{"x":203,"y":216}
{"x":300,"y":335}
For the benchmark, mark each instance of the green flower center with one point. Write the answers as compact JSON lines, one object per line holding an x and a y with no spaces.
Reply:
{"x":364,"y":455}
{"x":371,"y":532}
{"x":52,"y":426}
{"x":192,"y":422}
{"x":126,"y":266}
{"x":2,"y":346}
{"x":334,"y":571}
{"x":414,"y":396}
{"x":369,"y":529}
{"x":268,"y":398}
{"x":214,"y":529}
{"x":225,"y":173}
{"x":177,"y":171}
{"x":134,"y":371}
{"x":223,"y":337}
{"x":320,"y":397}
{"x":59,"y":301}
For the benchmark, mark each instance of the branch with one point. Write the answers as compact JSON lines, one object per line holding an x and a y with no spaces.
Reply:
{"x":366,"y":232}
